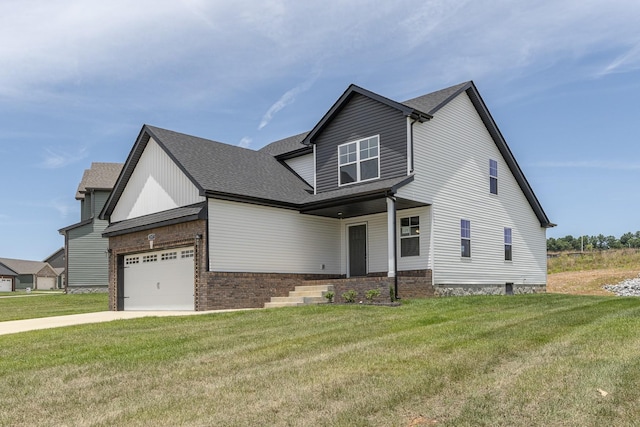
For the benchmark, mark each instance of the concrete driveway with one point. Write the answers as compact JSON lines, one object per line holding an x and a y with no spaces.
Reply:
{"x":15,"y":326}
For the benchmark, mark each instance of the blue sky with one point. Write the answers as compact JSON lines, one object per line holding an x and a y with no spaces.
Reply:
{"x":79,"y":78}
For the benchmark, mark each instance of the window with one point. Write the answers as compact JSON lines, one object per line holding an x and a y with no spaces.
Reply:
{"x":507,"y":245}
{"x":187,"y":254}
{"x":149,"y":258}
{"x":465,"y":238}
{"x":410,"y":236}
{"x":131,"y":260}
{"x":493,"y":176}
{"x":359,"y":160}
{"x":168,"y":255}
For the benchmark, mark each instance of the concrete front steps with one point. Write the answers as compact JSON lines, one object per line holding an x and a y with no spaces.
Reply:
{"x":302,"y":295}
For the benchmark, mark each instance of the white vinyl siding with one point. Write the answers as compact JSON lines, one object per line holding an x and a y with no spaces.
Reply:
{"x":377,"y":257}
{"x":303,"y":166}
{"x":450,"y":157}
{"x":251,"y":238}
{"x":157,"y":184}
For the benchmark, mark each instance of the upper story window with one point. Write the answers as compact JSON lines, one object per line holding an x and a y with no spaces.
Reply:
{"x":493,"y":176}
{"x":465,"y":238}
{"x":359,"y":160}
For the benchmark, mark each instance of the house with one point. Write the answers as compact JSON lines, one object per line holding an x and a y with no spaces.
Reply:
{"x":416,"y":198}
{"x":7,"y":279}
{"x":58,"y":262}
{"x":86,"y":267}
{"x":31,"y":274}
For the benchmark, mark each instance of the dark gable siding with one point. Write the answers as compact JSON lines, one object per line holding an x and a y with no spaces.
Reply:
{"x":360,"y":118}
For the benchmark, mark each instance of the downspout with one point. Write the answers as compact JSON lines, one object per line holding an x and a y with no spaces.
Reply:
{"x":410,"y":150}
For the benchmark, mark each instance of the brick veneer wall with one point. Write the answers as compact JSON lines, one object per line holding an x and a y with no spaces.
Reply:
{"x":222,"y":290}
{"x":411,"y":284}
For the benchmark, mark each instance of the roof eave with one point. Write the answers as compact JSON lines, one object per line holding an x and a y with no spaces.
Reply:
{"x":346,"y":96}
{"x":504,"y":149}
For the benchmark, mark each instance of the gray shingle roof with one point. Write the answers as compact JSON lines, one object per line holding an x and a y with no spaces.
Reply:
{"x":224,"y":169}
{"x":286,"y":145}
{"x":431,"y":102}
{"x":101,"y":176}
{"x":22,"y":266}
{"x":235,"y":173}
{"x":6,"y":271}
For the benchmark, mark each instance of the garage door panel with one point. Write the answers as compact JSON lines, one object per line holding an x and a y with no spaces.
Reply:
{"x":43,"y":283}
{"x":5,"y":284}
{"x":161,"y":280}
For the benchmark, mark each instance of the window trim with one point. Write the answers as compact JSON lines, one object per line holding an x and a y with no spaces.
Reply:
{"x":508,"y":256}
{"x":493,"y":176}
{"x":358,"y":161}
{"x":410,"y":236}
{"x":465,"y":237}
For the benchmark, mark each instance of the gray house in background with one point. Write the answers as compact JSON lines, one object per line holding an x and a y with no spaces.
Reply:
{"x":85,"y":248}
{"x":7,"y":279}
{"x":57,"y":261}
{"x":31,"y":274}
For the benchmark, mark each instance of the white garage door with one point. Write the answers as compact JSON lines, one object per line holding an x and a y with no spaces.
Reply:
{"x":159,"y":280}
{"x":43,"y":283}
{"x":5,"y":284}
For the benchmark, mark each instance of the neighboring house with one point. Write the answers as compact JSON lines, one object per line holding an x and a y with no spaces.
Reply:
{"x":7,"y":279}
{"x":58,"y":262}
{"x":31,"y":274}
{"x":420,"y":198}
{"x":87,"y":266}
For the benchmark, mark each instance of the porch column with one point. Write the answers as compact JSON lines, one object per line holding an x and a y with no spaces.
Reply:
{"x":391,"y":236}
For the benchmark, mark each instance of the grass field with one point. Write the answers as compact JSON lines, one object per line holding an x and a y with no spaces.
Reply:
{"x":499,"y":361}
{"x":585,"y":274}
{"x":34,"y":305}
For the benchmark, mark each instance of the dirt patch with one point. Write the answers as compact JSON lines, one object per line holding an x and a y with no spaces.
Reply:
{"x":588,"y":282}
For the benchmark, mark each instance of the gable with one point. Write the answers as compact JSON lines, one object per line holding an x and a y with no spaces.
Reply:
{"x":156,"y":184}
{"x":362,"y":117}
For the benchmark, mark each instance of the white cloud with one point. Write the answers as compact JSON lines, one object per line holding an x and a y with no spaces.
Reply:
{"x":56,"y":159}
{"x":224,"y":47}
{"x":245,"y":142}
{"x":629,"y":61}
{"x":288,"y":98}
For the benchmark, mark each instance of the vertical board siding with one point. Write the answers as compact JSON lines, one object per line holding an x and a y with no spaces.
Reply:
{"x":88,"y":261}
{"x":377,"y":256}
{"x":362,"y":117}
{"x":251,"y":238}
{"x":452,"y":153}
{"x":303,"y":166}
{"x":157,"y":184}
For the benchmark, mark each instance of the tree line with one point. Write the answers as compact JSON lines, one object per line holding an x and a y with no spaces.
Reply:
{"x":589,"y":243}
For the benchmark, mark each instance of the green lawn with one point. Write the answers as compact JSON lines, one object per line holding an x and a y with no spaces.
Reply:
{"x":29,"y":306}
{"x":494,"y":361}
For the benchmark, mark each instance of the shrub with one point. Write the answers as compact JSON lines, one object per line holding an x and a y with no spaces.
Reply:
{"x":371,"y":294}
{"x":350,"y":296}
{"x":329,"y":296}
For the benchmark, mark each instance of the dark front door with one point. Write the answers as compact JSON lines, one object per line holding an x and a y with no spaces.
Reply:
{"x":358,"y":250}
